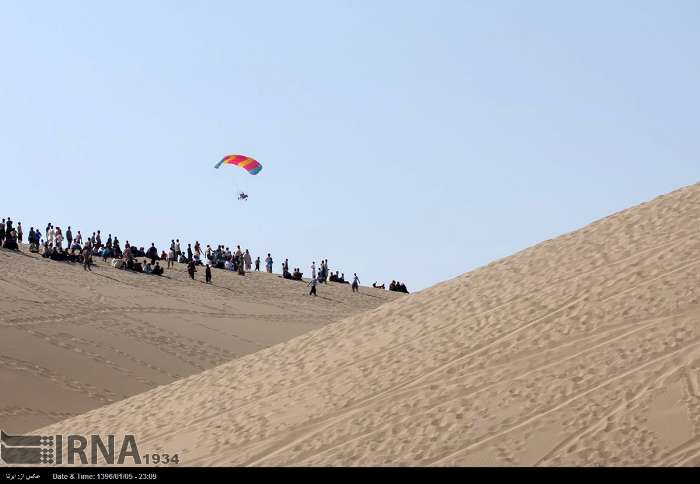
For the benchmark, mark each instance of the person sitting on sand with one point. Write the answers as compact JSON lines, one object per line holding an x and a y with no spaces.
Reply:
{"x":148,"y":269}
{"x":137,"y":267}
{"x":11,"y":240}
{"x":157,"y":270}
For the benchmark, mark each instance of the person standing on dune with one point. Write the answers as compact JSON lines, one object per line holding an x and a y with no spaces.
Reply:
{"x":191,"y":269}
{"x":87,"y":257}
{"x":257,"y":264}
{"x":356,"y":284}
{"x":312,"y":285}
{"x":207,"y":274}
{"x":171,"y":256}
{"x":248,"y":261}
{"x":268,"y":263}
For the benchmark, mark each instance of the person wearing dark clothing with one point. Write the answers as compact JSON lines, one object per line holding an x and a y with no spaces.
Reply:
{"x":2,"y":233}
{"x":10,"y":240}
{"x":69,"y":237}
{"x":19,"y":232}
{"x":157,"y":270}
{"x":257,"y":264}
{"x":109,"y":242}
{"x":152,"y":254}
{"x":207,"y":274}
{"x":189,"y":252}
{"x":191,"y":269}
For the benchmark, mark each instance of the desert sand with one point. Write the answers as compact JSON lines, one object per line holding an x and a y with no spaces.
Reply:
{"x":72,"y":341}
{"x":582,"y":350}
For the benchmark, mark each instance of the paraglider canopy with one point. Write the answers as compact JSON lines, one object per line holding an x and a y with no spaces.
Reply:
{"x":245,"y":162}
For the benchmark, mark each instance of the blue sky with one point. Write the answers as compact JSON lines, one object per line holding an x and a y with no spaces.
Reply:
{"x":400,"y":139}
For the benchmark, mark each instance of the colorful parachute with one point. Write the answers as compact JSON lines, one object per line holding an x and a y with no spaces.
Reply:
{"x":249,"y":164}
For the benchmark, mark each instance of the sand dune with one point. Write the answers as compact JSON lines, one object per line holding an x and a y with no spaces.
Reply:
{"x":583,"y":350}
{"x":72,"y":341}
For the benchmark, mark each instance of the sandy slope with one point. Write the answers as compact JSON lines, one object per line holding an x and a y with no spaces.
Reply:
{"x":582,"y":350}
{"x":71,"y":341}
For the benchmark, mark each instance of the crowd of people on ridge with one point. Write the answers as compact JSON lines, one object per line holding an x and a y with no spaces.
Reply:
{"x":50,"y":245}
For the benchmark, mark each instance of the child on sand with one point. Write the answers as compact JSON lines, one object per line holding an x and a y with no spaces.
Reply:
{"x":207,"y":274}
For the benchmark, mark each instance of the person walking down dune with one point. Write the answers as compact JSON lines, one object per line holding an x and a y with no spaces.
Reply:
{"x":356,"y":284}
{"x":191,"y":269}
{"x":312,"y":285}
